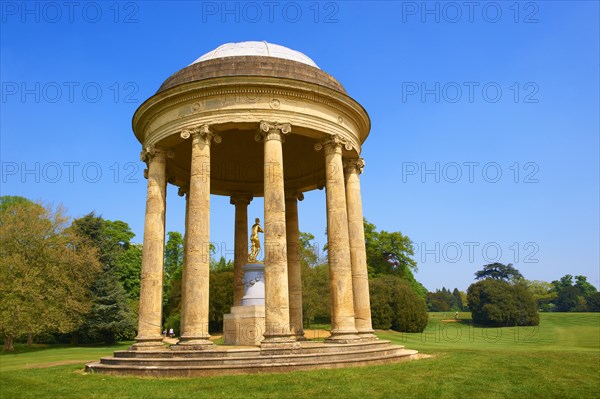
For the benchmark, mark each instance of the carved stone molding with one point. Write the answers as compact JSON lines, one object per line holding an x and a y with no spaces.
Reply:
{"x":354,"y":165}
{"x":250,"y":282}
{"x":273,"y":131}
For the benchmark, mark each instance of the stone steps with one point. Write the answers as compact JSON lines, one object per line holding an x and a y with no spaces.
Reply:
{"x":240,"y":361}
{"x":306,"y":347}
{"x":297,"y":358}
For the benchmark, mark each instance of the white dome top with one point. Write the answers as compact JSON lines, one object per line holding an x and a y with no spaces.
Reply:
{"x":262,"y":49}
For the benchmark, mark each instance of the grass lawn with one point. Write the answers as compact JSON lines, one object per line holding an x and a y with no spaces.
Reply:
{"x":558,"y":359}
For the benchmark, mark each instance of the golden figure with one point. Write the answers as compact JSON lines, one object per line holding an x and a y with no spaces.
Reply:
{"x":255,"y":249}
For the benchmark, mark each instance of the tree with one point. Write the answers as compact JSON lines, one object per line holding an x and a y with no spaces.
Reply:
{"x":222,"y":265}
{"x":173,"y":270}
{"x":221,"y":297}
{"x":583,"y":286}
{"x":308,"y":251}
{"x":111,"y":238}
{"x":111,"y":317}
{"x":395,"y":305}
{"x":45,"y":271}
{"x":564,"y":282}
{"x":443,"y":300}
{"x":464,"y":300}
{"x":457,"y":300}
{"x":10,"y":201}
{"x":543,"y":294}
{"x":593,"y":302}
{"x":495,"y":302}
{"x":580,"y":297}
{"x":390,"y":253}
{"x":316,"y":303}
{"x":439,"y":301}
{"x":316,"y":299}
{"x":173,"y":253}
{"x":568,"y":299}
{"x":129,"y":270}
{"x":499,"y":271}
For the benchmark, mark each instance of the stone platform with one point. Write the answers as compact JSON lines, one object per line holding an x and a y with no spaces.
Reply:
{"x":248,"y":360}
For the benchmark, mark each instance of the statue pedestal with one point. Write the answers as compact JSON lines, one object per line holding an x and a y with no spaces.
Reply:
{"x":245,"y":324}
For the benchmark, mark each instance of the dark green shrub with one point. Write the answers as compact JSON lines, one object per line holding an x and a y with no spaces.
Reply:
{"x":381,"y":310}
{"x":498,"y":303}
{"x":395,"y":305}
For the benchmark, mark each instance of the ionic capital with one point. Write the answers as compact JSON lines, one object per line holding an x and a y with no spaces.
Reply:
{"x":273,"y":131}
{"x":204,"y":132}
{"x":294,"y":195}
{"x":333,"y":143}
{"x":183,"y":190}
{"x":149,"y":152}
{"x":240,"y":199}
{"x":354,"y":165}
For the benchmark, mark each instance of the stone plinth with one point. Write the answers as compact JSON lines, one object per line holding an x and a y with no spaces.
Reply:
{"x":254,"y":284}
{"x":245,"y":325}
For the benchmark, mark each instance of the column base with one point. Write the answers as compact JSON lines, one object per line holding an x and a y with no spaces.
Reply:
{"x":300,"y":336}
{"x":343,"y":337}
{"x":367,"y":336}
{"x":148,"y":344}
{"x":192,"y":344}
{"x":284,"y":342}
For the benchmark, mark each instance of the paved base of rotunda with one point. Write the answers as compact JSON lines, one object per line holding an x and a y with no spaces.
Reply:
{"x":221,"y":360}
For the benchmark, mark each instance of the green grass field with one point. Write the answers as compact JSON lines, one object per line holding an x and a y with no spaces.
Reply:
{"x":558,"y":359}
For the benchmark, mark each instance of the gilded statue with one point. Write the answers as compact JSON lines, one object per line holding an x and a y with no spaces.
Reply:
{"x":255,"y":249}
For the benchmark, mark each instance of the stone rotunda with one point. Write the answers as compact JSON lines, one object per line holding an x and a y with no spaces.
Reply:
{"x":246,"y":120}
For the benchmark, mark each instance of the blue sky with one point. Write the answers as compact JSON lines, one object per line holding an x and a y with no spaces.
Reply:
{"x":485,"y":120}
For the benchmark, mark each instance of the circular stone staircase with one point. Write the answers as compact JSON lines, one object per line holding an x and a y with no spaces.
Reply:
{"x":247,"y":360}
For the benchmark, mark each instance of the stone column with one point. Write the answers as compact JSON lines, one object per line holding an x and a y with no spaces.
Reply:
{"x":340,"y":271}
{"x":195,"y":277}
{"x":150,"y":313}
{"x":294,"y":267}
{"x":241,"y":202}
{"x":358,"y":253}
{"x":185,"y":191}
{"x":277,"y":313}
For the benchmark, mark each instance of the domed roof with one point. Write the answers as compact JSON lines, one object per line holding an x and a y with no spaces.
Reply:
{"x":253,"y":59}
{"x":262,"y":49}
